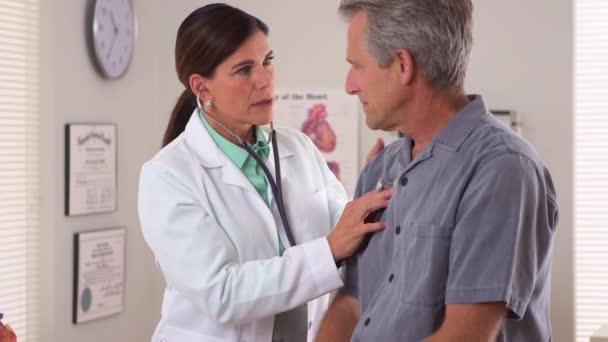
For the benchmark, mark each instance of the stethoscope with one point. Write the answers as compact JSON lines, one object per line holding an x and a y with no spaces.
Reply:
{"x":275,"y":186}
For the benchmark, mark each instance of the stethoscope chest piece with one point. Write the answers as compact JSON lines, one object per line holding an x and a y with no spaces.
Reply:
{"x":384,"y":184}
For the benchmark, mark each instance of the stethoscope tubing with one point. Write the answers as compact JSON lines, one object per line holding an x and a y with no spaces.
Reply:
{"x":275,"y":186}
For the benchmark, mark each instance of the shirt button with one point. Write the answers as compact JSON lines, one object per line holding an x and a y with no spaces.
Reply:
{"x":398,"y":230}
{"x":390,"y":278}
{"x":403,"y":180}
{"x":367,"y":321}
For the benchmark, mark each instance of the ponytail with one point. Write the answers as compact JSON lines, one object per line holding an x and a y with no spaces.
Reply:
{"x":180,"y":116}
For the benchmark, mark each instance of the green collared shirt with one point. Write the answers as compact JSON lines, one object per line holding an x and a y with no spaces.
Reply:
{"x":244,"y":161}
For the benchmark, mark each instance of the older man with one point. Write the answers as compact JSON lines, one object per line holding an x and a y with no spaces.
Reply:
{"x":466,"y":253}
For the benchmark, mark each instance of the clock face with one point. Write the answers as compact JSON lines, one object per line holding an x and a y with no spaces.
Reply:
{"x":113,"y":36}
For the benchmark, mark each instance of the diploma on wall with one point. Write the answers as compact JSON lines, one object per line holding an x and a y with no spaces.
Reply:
{"x":90,"y":168}
{"x":99,"y":274}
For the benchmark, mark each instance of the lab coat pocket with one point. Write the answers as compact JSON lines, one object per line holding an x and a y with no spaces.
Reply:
{"x":173,"y":334}
{"x":309,"y":216}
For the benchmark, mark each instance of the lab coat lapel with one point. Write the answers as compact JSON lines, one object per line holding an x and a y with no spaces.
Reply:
{"x":210,"y":156}
{"x":232,"y":175}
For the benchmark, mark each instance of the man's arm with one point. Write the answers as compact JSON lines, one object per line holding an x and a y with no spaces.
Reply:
{"x":340,"y":319}
{"x":470,"y":322}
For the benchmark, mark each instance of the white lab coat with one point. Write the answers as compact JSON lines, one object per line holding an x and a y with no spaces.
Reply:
{"x":216,"y":242}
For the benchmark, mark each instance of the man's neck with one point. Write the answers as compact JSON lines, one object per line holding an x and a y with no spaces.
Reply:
{"x":427,"y":115}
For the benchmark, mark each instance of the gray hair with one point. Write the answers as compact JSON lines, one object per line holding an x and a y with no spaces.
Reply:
{"x":437,"y":33}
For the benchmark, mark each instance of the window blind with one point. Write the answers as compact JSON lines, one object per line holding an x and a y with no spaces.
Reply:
{"x":591,"y":166}
{"x":19,"y":175}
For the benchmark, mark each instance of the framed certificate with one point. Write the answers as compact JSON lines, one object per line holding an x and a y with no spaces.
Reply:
{"x":90,"y":168}
{"x":99,"y":274}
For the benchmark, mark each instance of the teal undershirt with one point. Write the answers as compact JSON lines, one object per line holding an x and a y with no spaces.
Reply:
{"x":245,"y":162}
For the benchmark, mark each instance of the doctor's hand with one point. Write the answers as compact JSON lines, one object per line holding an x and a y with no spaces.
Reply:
{"x":351,"y":229}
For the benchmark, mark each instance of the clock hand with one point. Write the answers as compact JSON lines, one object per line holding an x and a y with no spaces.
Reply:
{"x":115,"y":30}
{"x":114,"y":23}
{"x":111,"y":45}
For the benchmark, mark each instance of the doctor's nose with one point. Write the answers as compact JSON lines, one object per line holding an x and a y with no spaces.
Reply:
{"x":264,"y":78}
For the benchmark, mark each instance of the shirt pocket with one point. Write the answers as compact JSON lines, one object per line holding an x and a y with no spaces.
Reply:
{"x":422,"y":255}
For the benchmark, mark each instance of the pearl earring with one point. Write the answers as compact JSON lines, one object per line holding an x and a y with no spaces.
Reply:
{"x":208,"y":103}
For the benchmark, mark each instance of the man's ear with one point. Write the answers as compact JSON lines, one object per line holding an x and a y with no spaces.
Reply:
{"x":404,"y":63}
{"x":198,"y":84}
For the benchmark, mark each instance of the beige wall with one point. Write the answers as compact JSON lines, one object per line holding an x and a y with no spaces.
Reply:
{"x":73,"y":92}
{"x":522,"y":60}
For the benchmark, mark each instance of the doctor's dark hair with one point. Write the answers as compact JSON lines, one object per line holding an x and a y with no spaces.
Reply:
{"x":204,"y":40}
{"x":437,"y":33}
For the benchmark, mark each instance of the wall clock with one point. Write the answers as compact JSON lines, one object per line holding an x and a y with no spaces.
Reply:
{"x":112,"y":29}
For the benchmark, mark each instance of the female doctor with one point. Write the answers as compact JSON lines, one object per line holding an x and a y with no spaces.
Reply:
{"x":245,"y":222}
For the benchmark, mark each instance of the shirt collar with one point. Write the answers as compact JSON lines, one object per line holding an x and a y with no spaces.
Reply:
{"x":233,"y":151}
{"x":460,"y":126}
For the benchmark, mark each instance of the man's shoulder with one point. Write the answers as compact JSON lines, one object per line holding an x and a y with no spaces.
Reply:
{"x":491,"y":140}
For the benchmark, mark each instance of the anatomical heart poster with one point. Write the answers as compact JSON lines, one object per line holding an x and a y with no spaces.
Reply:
{"x":330,"y":118}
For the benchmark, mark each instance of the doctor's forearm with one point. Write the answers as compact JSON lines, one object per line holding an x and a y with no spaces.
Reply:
{"x":340,"y":320}
{"x":260,"y":288}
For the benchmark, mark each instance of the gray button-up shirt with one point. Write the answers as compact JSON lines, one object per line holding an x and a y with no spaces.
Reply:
{"x":471,"y":220}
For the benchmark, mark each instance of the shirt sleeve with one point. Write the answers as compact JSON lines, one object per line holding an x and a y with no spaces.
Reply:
{"x":199,"y":260}
{"x":502,"y":238}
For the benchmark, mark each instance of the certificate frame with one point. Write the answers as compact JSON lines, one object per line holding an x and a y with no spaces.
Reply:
{"x":90,"y":168}
{"x":99,"y":274}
